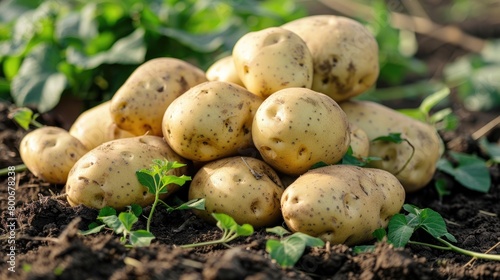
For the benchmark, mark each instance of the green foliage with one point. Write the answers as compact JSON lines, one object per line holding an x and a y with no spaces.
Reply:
{"x":230,"y":231}
{"x":122,"y":224}
{"x":402,"y":227}
{"x":469,"y":170}
{"x":156,"y":179}
{"x":25,"y":117}
{"x":288,"y":250}
{"x":89,"y":48}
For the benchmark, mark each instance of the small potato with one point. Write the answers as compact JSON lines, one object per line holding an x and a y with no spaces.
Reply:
{"x":245,"y":188}
{"x":272,"y":59}
{"x":105,"y":176}
{"x":50,"y":152}
{"x":360,"y":144}
{"x":139,"y":104}
{"x":342,"y":203}
{"x":345,"y":54}
{"x":210,"y":121}
{"x":223,"y":70}
{"x":378,"y":120}
{"x":95,"y":126}
{"x":295,"y":128}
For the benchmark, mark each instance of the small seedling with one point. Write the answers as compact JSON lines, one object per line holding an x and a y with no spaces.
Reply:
{"x":470,"y":171}
{"x":122,"y":224}
{"x":25,"y":117}
{"x":230,"y":231}
{"x":156,"y":179}
{"x":288,"y":250}
{"x":401,"y":228}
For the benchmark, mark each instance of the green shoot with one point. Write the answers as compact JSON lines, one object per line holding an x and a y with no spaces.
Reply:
{"x":25,"y":117}
{"x":401,"y":228}
{"x":396,"y":138}
{"x":156,"y":179}
{"x":441,"y":188}
{"x":422,"y":113}
{"x":122,"y":224}
{"x":470,"y":171}
{"x":230,"y":231}
{"x":288,"y":250}
{"x":349,"y":159}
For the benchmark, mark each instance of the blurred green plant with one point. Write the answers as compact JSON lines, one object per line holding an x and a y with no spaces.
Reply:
{"x":88,"y":48}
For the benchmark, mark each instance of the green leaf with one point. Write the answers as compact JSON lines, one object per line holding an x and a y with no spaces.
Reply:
{"x":492,"y":149}
{"x":38,"y":82}
{"x":391,"y":137}
{"x":244,"y":230}
{"x":23,"y":117}
{"x":224,"y":221}
{"x":363,"y":249}
{"x":127,"y":50}
{"x":141,"y":238}
{"x":147,"y":180}
{"x":379,"y":234}
{"x":399,"y":232}
{"x":136,"y":209}
{"x":434,"y":224}
{"x":107,"y":211}
{"x":113,"y":222}
{"x":318,"y":165}
{"x":78,"y":24}
{"x":92,"y":230}
{"x":278,"y":230}
{"x":441,"y":188}
{"x":197,"y":203}
{"x":287,"y":252}
{"x":471,"y":171}
{"x":308,"y":240}
{"x":127,"y":219}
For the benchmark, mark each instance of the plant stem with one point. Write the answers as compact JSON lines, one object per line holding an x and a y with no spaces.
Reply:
{"x":153,"y":207}
{"x":409,"y":159}
{"x":469,"y":253}
{"x":20,"y":167}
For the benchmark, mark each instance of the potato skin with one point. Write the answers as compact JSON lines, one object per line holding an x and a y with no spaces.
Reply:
{"x":229,"y":187}
{"x":139,"y":104}
{"x":342,"y":203}
{"x":210,"y":121}
{"x":50,"y":152}
{"x":105,"y":176}
{"x":345,"y":54}
{"x":223,"y":70}
{"x":272,"y":59}
{"x":378,"y":120}
{"x":360,"y":143}
{"x":95,"y":126}
{"x":295,"y":128}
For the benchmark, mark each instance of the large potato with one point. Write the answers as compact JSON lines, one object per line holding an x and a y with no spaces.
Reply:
{"x":272,"y":59}
{"x":223,"y":70}
{"x":139,"y":104}
{"x":95,"y":126}
{"x":378,"y":120}
{"x":342,"y":203}
{"x":105,"y":176}
{"x":245,"y":188}
{"x":210,"y":121}
{"x":50,"y":152}
{"x":360,"y":143}
{"x":295,"y":128}
{"x":345,"y":54}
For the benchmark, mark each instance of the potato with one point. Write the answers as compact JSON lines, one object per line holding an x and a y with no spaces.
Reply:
{"x":342,"y":203}
{"x":245,"y":188}
{"x":95,"y":126}
{"x":345,"y":54}
{"x":360,"y":144}
{"x":295,"y":128}
{"x":272,"y":59}
{"x":50,"y":152}
{"x":139,"y":104}
{"x":210,"y":121}
{"x":223,"y":70}
{"x":105,"y":176}
{"x":378,"y":120}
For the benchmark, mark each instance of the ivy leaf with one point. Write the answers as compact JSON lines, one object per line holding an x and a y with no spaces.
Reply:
{"x":399,"y":232}
{"x":471,"y":171}
{"x":433,"y":223}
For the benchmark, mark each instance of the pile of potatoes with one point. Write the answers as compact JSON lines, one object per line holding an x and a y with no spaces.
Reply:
{"x":251,"y":128}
